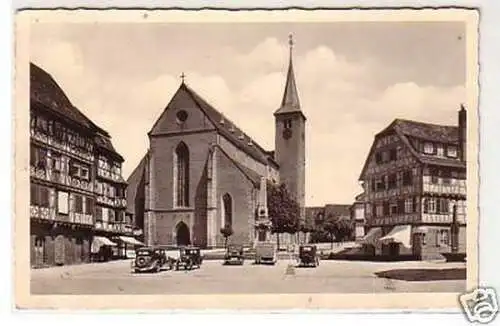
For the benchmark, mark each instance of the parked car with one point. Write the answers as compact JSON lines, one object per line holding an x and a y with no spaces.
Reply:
{"x":148,"y":259}
{"x":308,"y":256}
{"x":234,"y":254}
{"x":265,"y":253}
{"x":189,"y":257}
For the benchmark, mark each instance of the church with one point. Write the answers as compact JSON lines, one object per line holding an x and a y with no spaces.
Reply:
{"x":203,"y":172}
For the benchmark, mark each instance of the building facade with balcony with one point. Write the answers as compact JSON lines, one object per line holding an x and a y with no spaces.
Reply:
{"x":64,"y":195}
{"x":414,"y":189}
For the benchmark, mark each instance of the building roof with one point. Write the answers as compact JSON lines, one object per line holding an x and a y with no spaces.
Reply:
{"x":337,"y":210}
{"x":134,"y":181}
{"x":407,"y":129}
{"x":313,"y":211}
{"x":224,"y":127}
{"x":427,"y":131}
{"x":360,"y":197}
{"x":44,"y":90}
{"x":250,"y":174}
{"x":104,"y":142}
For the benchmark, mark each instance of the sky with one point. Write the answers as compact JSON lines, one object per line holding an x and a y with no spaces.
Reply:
{"x":353,"y":79}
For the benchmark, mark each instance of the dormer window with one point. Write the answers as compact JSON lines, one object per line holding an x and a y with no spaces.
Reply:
{"x":451,"y":151}
{"x":428,"y":148}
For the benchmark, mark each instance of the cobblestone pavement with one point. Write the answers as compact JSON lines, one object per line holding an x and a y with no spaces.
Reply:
{"x":212,"y":278}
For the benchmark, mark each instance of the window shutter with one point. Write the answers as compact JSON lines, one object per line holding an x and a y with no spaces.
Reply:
{"x":415,"y":204}
{"x":438,"y":206}
{"x":426,"y":205}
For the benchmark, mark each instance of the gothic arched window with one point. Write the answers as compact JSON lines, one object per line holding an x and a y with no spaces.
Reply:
{"x":227,"y":202}
{"x":181,"y":175}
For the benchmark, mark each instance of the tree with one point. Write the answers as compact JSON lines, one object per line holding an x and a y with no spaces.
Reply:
{"x":283,"y":210}
{"x":345,"y":229}
{"x":226,"y":232}
{"x":338,"y":228}
{"x":330,"y":226}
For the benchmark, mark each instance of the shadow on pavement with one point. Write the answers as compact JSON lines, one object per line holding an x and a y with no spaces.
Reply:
{"x":422,"y":275}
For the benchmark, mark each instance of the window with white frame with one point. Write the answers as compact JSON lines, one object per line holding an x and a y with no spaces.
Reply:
{"x":379,"y":210}
{"x":62,"y":202}
{"x":430,"y":205}
{"x":408,"y":205}
{"x":428,"y":148}
{"x":444,"y":237}
{"x":451,"y":151}
{"x":440,"y":150}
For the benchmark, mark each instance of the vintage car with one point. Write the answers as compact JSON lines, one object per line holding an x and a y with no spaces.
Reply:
{"x":189,"y":257}
{"x":234,"y":255}
{"x":308,"y":256}
{"x":265,"y":253}
{"x":149,"y":259}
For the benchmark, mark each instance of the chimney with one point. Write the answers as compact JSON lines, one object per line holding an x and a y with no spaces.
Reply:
{"x":462,"y":132}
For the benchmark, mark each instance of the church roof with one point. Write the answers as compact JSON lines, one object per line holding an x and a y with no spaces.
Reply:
{"x":134,"y":181}
{"x":226,"y":127}
{"x":251,"y":175}
{"x":290,"y":102}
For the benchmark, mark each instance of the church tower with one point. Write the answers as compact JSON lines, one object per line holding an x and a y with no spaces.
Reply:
{"x":290,"y":138}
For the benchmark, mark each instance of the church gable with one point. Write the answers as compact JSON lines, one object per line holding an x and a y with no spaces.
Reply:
{"x":182,"y":114}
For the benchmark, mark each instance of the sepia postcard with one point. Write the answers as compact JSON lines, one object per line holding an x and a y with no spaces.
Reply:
{"x":281,"y":159}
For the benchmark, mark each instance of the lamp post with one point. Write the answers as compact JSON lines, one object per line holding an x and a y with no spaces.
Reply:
{"x":454,"y":230}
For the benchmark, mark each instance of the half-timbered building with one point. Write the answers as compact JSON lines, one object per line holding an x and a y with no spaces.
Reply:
{"x":65,"y":195}
{"x":414,"y":181}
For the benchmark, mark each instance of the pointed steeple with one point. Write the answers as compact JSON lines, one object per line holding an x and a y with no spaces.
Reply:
{"x":290,"y":101}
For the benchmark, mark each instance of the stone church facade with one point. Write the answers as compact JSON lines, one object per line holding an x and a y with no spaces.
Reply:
{"x":202,"y":172}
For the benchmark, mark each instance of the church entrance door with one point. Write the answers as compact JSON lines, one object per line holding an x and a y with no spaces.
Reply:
{"x":182,"y":234}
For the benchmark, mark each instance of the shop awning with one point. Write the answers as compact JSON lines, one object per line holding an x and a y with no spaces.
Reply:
{"x":131,"y":241}
{"x":372,"y":236}
{"x":420,"y":229}
{"x":98,"y":242}
{"x":400,"y":234}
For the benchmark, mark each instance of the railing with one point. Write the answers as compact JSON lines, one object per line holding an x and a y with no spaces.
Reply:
{"x":453,"y":186}
{"x":51,"y":141}
{"x":116,"y":202}
{"x":108,"y":174}
{"x":47,"y":213}
{"x":114,"y":227}
{"x":60,"y":178}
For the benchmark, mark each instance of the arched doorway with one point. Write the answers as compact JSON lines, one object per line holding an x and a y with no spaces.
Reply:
{"x":182,"y":234}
